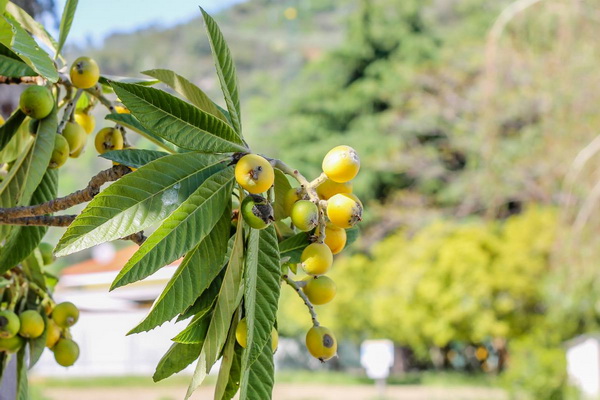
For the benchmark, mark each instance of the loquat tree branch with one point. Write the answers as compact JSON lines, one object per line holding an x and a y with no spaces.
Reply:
{"x":40,"y":220}
{"x":311,"y":309}
{"x":63,"y":203}
{"x":29,"y":80}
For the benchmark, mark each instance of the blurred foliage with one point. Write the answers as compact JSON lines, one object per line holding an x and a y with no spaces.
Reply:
{"x":450,"y":281}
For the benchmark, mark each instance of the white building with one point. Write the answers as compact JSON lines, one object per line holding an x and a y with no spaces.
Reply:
{"x":583,"y":364}
{"x":106,"y":317}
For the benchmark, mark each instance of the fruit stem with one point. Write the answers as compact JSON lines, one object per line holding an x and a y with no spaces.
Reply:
{"x":316,"y":182}
{"x":46,"y":299}
{"x":68,"y":114}
{"x":311,"y":308}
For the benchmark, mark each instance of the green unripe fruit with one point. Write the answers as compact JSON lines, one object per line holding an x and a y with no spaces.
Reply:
{"x":9,"y":324}
{"x":36,"y":102}
{"x":257,"y":211}
{"x":291,"y":197}
{"x":60,"y":154}
{"x":52,"y":334}
{"x":32,"y":324}
{"x":47,"y":253}
{"x":76,"y":137}
{"x":12,"y":345}
{"x":65,"y":314}
{"x":305,"y":215}
{"x":241,"y":335}
{"x":320,"y":290}
{"x":66,"y":352}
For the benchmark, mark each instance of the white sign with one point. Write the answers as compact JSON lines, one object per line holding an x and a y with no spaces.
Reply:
{"x":377,"y":357}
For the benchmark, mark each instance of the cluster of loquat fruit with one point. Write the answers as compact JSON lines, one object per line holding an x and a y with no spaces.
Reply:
{"x":16,"y":327}
{"x":326,"y":207}
{"x":37,"y":102}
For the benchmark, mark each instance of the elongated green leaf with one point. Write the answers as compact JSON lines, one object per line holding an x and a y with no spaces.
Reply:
{"x":3,"y":5}
{"x":20,"y":141}
{"x":130,"y":122}
{"x":235,"y":375}
{"x":10,"y":127}
{"x":187,"y":89}
{"x":138,"y":200}
{"x":193,"y":276}
{"x":37,"y":345}
{"x":134,"y":158}
{"x":282,"y":186}
{"x":195,"y":332}
{"x":176,"y":359}
{"x":228,"y":359}
{"x":227,"y":302}
{"x":31,"y":25}
{"x":14,"y":68}
{"x":22,"y":384}
{"x":261,"y":290}
{"x":24,"y":239}
{"x":65,"y":23}
{"x":13,"y":36}
{"x":189,"y":224}
{"x":108,"y":79}
{"x":292,"y":247}
{"x":29,"y":169}
{"x":177,"y":121}
{"x":225,"y":69}
{"x":258,"y":380}
{"x":205,"y":302}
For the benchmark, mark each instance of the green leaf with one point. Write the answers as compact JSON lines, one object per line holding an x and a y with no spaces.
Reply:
{"x":3,"y":5}
{"x":351,"y":235}
{"x":10,"y":127}
{"x":134,"y":158}
{"x":31,"y":25}
{"x":14,"y":68}
{"x":108,"y":79}
{"x":65,"y":23}
{"x":24,"y":239}
{"x":196,"y":331}
{"x":177,"y":121}
{"x":13,"y":36}
{"x":138,"y":200}
{"x":205,"y":301}
{"x":176,"y":359}
{"x":258,"y":380}
{"x":32,"y":266}
{"x":22,"y":385}
{"x":37,"y":345}
{"x":182,"y":230}
{"x":235,"y":374}
{"x":187,"y":89}
{"x":193,"y":276}
{"x":29,"y":169}
{"x":227,"y":302}
{"x":227,"y":361}
{"x":292,"y":247}
{"x":130,"y":122}
{"x":225,"y":69}
{"x":261,"y":290}
{"x":17,"y":145}
{"x":282,"y":186}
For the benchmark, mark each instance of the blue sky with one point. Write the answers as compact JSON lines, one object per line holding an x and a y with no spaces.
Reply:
{"x":95,"y":19}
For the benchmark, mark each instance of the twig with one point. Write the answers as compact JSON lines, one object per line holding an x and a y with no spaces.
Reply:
{"x":68,"y":111}
{"x":311,"y":308}
{"x":28,"y":80}
{"x":63,"y":203}
{"x":40,"y":220}
{"x":137,"y":238}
